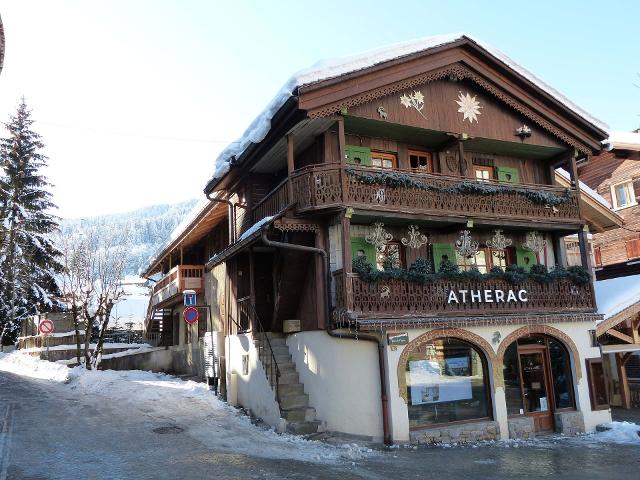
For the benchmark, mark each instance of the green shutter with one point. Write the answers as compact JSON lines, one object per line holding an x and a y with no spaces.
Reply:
{"x":508,"y":174}
{"x":524,"y":253}
{"x":358,"y":155}
{"x":368,"y":249}
{"x":439,"y":251}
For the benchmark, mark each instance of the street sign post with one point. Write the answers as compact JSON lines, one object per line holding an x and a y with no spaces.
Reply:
{"x":190,"y":298}
{"x":191,"y":315}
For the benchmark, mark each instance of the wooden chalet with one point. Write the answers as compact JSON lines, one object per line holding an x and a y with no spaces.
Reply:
{"x":389,"y":256}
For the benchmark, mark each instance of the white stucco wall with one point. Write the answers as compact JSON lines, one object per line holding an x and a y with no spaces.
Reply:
{"x":253,"y":390}
{"x":342,"y":379}
{"x":577,"y":331}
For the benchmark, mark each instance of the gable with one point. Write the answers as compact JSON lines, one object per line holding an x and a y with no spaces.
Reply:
{"x":461,"y":63}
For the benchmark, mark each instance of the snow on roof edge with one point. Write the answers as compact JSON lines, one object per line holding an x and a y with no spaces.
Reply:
{"x":332,"y":68}
{"x":587,"y":189}
{"x":615,"y":295}
{"x":624,"y":140}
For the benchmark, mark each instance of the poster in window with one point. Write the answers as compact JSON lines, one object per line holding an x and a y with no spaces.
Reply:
{"x":429,"y":385}
{"x":457,"y":366}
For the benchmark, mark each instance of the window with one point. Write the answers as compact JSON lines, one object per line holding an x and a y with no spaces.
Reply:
{"x":392,"y":253}
{"x":560,"y":373}
{"x":420,"y":161}
{"x":383,"y":160}
{"x":623,"y":195}
{"x":484,"y":260}
{"x":483,"y":173}
{"x":446,"y":382}
{"x":597,"y":384}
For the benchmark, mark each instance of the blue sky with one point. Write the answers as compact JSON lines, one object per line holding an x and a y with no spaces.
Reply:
{"x":136,"y":98}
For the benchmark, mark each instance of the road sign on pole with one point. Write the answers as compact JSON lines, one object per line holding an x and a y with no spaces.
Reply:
{"x":189,"y":298}
{"x":190,"y":315}
{"x":46,"y":327}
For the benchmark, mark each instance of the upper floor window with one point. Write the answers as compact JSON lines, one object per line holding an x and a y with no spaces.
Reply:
{"x":623,"y":195}
{"x":391,"y":255}
{"x":483,"y":173}
{"x":383,"y":160}
{"x":420,"y":161}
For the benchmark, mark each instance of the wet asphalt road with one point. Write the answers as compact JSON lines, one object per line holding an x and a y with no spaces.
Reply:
{"x":47,"y":432}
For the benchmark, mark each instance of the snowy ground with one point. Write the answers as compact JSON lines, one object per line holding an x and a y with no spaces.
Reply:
{"x":57,"y":422}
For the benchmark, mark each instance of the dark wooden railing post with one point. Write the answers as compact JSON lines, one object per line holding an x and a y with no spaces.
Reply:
{"x":290,"y":164}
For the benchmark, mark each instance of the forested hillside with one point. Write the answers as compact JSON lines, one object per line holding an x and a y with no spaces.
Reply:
{"x":148,"y":228}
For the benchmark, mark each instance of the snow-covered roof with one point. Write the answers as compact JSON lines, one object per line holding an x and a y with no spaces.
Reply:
{"x":588,"y":190}
{"x":329,"y":69}
{"x":624,"y":140}
{"x":617,"y":294}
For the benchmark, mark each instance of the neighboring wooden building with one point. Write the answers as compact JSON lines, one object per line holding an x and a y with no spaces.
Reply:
{"x":1,"y":44}
{"x":615,"y":174}
{"x":352,"y":259}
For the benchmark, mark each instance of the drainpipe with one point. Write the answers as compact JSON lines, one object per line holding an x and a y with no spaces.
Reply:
{"x":365,"y":337}
{"x":232,"y":216}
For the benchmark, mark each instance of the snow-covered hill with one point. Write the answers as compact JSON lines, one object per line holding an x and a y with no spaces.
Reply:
{"x":149,"y":228}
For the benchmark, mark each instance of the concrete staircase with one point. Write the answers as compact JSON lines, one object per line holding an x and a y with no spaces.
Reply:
{"x":294,"y":403}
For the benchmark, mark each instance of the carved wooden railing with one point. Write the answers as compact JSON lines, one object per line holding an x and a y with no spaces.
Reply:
{"x":325,"y":186}
{"x":386,"y":298}
{"x":176,"y":281}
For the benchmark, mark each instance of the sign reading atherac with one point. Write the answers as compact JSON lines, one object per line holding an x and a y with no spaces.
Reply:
{"x":487,"y":296}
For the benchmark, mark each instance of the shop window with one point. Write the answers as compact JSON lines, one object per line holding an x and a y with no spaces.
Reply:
{"x":383,"y":160}
{"x":561,"y":374}
{"x":420,"y":161}
{"x":392,"y":254}
{"x":512,"y":387}
{"x":623,"y":195}
{"x":597,"y":384}
{"x":483,"y":173}
{"x":447,"y":381}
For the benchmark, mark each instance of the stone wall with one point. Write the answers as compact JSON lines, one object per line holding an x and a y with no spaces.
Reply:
{"x":569,"y":423}
{"x":461,"y":433}
{"x":521,"y":428}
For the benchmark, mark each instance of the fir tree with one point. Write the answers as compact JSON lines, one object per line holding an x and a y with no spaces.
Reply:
{"x":28,"y":257}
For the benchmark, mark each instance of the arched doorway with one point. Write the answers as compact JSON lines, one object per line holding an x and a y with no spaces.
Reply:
{"x":537,"y":379}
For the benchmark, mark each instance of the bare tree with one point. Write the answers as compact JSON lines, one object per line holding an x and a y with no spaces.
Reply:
{"x":91,"y":283}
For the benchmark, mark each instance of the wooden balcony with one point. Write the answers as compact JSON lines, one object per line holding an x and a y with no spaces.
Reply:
{"x":325,"y":186}
{"x":174,"y":283}
{"x":399,"y":298}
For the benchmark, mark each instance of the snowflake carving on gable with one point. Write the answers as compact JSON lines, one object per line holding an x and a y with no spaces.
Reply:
{"x":469,"y":107}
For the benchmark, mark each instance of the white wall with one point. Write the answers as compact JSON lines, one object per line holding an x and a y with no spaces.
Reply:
{"x":342,"y":379}
{"x":253,"y":390}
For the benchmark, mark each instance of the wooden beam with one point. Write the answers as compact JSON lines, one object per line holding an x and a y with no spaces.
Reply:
{"x":346,"y":244}
{"x":625,"y":393}
{"x":321,"y":279}
{"x":290,"y":164}
{"x":463,"y":163}
{"x":560,"y":250}
{"x":620,"y":335}
{"x":635,"y":324}
{"x":341,"y":141}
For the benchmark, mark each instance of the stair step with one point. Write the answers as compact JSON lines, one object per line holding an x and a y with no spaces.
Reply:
{"x":274,"y":335}
{"x":280,"y":349}
{"x":303,"y":428}
{"x":288,"y":402}
{"x":288,"y":378}
{"x":290,"y":389}
{"x":286,"y":367}
{"x":301,"y":414}
{"x":282,"y":359}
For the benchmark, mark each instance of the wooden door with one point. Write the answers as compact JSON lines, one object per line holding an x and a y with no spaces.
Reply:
{"x":536,"y":388}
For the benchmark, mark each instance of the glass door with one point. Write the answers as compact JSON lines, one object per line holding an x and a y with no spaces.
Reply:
{"x":535,"y":388}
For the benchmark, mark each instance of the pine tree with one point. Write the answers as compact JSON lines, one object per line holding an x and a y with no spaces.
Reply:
{"x":28,"y":257}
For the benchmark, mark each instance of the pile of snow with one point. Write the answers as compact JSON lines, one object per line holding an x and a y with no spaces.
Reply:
{"x":328,"y":69}
{"x":189,"y":404}
{"x":620,"y":432}
{"x":624,"y":140}
{"x":92,"y":346}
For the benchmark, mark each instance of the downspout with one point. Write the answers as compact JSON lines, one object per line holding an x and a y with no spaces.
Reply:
{"x":365,"y":337}
{"x":232,"y":216}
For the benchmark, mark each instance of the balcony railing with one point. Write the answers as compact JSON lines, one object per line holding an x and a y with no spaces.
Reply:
{"x":274,"y":202}
{"x":176,"y":281}
{"x":325,"y":186}
{"x":394,"y":297}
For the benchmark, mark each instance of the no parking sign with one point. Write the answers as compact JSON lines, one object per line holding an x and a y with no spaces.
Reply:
{"x":190,"y":315}
{"x":46,"y":327}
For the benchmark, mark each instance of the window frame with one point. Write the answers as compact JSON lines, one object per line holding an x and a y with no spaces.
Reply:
{"x":384,"y":156}
{"x":489,"y":258}
{"x":401,"y":253}
{"x":420,"y":153}
{"x":590,"y":380}
{"x":484,"y":168}
{"x":630,"y":191}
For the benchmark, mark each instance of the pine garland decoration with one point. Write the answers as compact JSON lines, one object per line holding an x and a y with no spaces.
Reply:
{"x":465,"y":187}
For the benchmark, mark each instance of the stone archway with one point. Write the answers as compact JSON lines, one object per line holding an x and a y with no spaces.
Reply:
{"x":543,"y":330}
{"x":456,"y":333}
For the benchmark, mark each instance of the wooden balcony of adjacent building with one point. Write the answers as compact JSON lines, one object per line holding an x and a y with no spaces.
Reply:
{"x":180,"y":278}
{"x":396,"y":298}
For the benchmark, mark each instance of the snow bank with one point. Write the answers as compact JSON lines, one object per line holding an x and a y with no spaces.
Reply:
{"x":619,"y":432}
{"x":328,"y":69}
{"x":189,"y":404}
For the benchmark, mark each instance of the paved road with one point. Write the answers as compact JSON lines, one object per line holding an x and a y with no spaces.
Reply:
{"x":48,"y":431}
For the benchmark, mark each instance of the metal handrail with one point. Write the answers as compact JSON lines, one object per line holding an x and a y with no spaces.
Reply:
{"x":273,"y":375}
